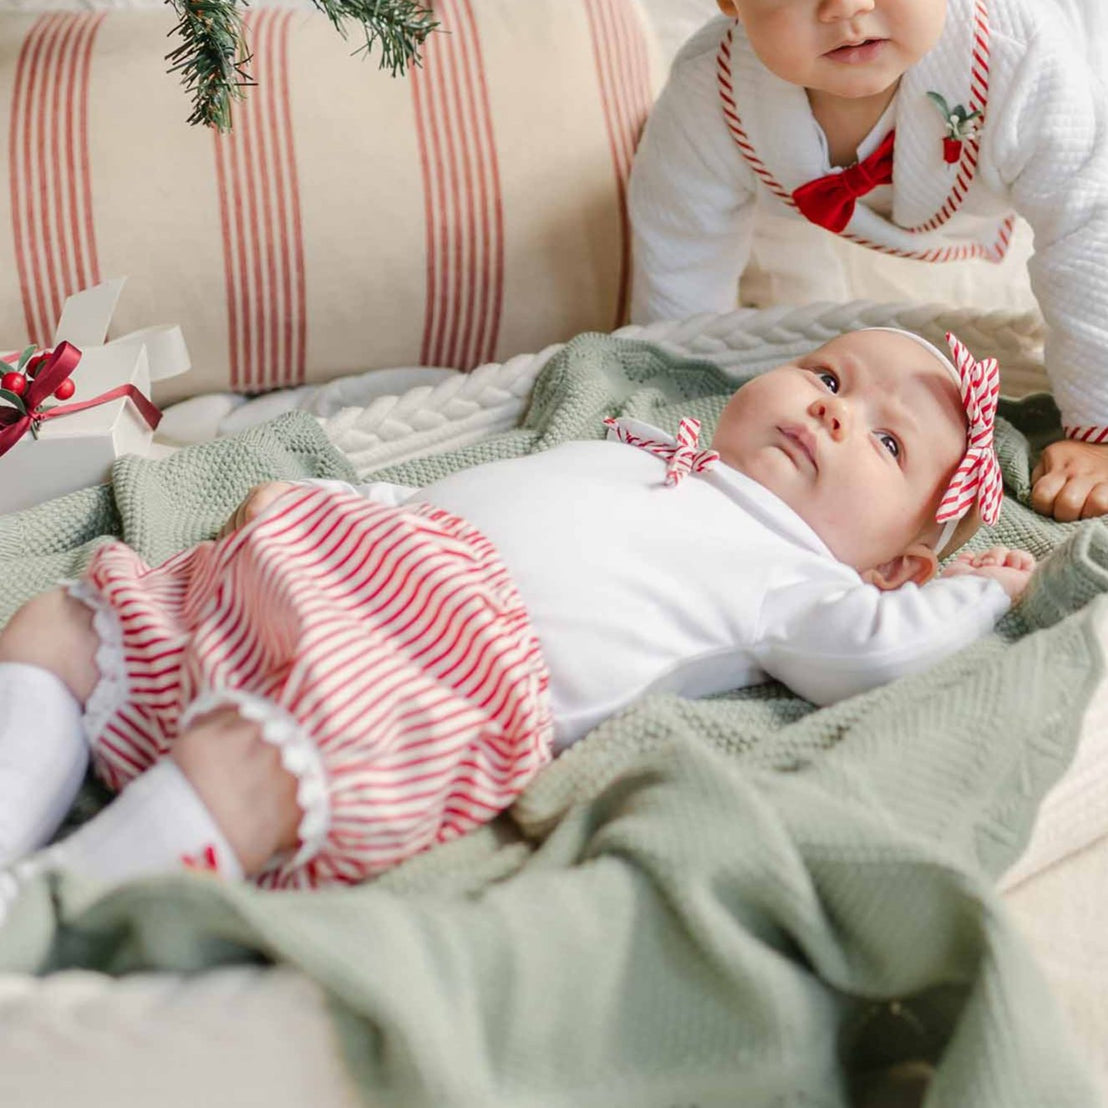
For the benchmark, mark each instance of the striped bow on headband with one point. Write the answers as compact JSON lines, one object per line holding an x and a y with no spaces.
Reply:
{"x":978,"y":479}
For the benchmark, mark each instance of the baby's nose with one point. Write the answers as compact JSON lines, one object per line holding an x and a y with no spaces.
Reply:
{"x":834,"y":414}
{"x":834,"y":11}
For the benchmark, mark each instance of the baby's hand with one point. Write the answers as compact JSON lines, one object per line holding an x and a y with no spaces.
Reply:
{"x":254,"y":503}
{"x":1071,"y":481}
{"x":1012,"y":569}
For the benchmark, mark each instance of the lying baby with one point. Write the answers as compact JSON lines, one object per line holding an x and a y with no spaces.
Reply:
{"x":349,"y":675}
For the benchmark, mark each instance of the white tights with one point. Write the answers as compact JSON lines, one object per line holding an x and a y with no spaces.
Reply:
{"x":43,"y":757}
{"x":248,"y":765}
{"x":157,"y":823}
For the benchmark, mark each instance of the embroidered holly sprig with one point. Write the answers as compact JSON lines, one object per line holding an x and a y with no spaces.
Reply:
{"x":961,"y":126}
{"x":15,"y":381}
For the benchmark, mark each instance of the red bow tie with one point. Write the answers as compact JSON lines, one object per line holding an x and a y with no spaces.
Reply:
{"x":829,"y":201}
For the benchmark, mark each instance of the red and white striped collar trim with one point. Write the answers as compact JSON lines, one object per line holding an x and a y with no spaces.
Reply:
{"x":964,"y":171}
{"x":1087,"y":433}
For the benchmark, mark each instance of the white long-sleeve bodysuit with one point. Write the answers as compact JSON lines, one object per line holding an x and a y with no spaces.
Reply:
{"x":634,"y":586}
{"x":727,"y":136}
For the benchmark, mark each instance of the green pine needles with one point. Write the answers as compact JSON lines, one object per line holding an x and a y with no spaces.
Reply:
{"x":213,"y":56}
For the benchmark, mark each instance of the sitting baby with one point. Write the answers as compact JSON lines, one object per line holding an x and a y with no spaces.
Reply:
{"x":347,"y":676}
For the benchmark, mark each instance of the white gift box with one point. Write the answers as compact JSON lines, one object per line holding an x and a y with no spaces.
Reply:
{"x":78,"y":448}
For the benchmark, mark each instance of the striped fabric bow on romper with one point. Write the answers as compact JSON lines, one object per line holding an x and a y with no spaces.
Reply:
{"x":682,"y":456}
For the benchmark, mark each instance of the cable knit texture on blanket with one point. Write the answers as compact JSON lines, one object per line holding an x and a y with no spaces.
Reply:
{"x":185,"y":498}
{"x":493,"y":397}
{"x":767,"y":903}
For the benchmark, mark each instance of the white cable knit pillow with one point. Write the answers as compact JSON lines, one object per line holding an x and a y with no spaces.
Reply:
{"x":350,"y":221}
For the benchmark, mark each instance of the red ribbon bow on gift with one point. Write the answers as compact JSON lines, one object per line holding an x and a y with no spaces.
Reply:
{"x":62,"y":361}
{"x":978,"y":477}
{"x":829,"y":201}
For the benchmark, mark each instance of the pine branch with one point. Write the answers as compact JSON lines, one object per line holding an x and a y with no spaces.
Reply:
{"x":399,"y":27}
{"x":212,"y":55}
{"x":211,"y":58}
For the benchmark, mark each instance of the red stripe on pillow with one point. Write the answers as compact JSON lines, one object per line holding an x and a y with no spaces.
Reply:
{"x":222,"y":156}
{"x":37,"y":152}
{"x":77,"y":143}
{"x":427,"y":137}
{"x":490,"y":277}
{"x":22,"y":184}
{"x":50,"y":184}
{"x":462,"y":195}
{"x":288,"y":212}
{"x":259,"y":200}
{"x":54,"y":190}
{"x":623,"y":74}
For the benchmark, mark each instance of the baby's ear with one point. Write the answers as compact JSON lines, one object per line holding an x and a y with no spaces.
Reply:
{"x":917,"y":564}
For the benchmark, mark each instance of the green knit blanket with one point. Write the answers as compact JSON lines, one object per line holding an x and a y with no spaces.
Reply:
{"x":733,"y":901}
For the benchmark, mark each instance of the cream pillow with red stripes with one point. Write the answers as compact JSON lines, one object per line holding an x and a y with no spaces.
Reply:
{"x":350,"y":221}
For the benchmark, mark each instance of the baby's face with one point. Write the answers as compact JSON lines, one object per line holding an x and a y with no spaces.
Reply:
{"x":860,"y":438}
{"x":848,"y":48}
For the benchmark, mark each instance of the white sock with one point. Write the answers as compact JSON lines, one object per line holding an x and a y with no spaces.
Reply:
{"x":158,"y":824}
{"x":43,"y":757}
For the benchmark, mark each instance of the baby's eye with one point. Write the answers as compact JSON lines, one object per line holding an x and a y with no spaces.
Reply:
{"x":889,"y":442}
{"x":829,"y":379}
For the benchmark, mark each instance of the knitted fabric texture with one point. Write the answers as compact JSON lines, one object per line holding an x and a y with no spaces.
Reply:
{"x":158,"y":507}
{"x":736,"y":900}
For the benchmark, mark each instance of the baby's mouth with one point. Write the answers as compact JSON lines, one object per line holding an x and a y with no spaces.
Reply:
{"x":856,"y":50}
{"x":800,"y":445}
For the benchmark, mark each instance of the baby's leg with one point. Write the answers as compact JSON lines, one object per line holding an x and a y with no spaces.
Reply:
{"x":242,"y":782}
{"x":47,"y":671}
{"x":222,"y":800}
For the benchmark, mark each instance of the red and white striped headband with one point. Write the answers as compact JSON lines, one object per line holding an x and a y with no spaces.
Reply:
{"x":977,"y":480}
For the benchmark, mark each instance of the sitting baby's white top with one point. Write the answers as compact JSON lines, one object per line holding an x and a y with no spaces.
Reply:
{"x":715,"y":583}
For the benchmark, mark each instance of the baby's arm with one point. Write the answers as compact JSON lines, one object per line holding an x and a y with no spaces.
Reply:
{"x":261,"y":496}
{"x":830,"y":641}
{"x":1071,"y":480}
{"x":691,"y":197}
{"x":1049,"y":143}
{"x":1011,"y":569}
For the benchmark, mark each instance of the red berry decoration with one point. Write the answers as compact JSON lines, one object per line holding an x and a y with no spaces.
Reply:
{"x":66,"y":389}
{"x":34,"y":363}
{"x":13,"y":382}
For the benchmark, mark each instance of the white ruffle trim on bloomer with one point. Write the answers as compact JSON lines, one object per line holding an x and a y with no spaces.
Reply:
{"x":299,"y":756}
{"x":111,"y":691}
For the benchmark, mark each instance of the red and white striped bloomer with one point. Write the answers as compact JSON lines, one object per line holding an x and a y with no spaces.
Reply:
{"x":394,"y":637}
